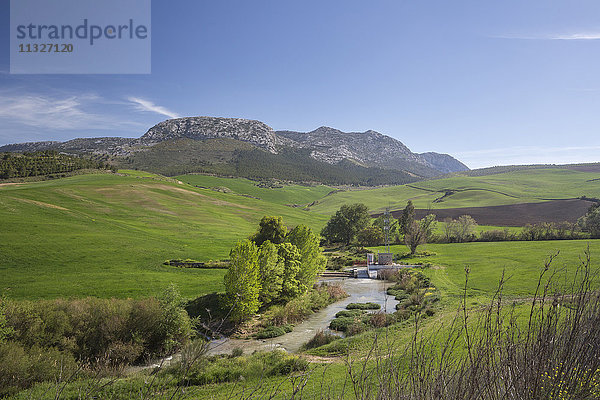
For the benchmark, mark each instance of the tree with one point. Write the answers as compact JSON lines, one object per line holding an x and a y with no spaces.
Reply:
{"x":271,"y":228}
{"x":290,"y":256}
{"x":271,"y":270}
{"x":370,"y":236}
{"x":465,"y":228}
{"x":590,"y":222}
{"x":414,"y":236}
{"x":346,"y":223}
{"x":311,"y":260}
{"x":428,"y":225}
{"x":406,"y":219}
{"x":242,"y":280}
{"x":459,"y":230}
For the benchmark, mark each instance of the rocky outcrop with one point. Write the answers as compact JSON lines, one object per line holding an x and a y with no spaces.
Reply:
{"x":444,"y":163}
{"x":371,"y":148}
{"x":199,"y":128}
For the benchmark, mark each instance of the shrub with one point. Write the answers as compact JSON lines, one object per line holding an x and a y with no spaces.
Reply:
{"x":341,"y":324}
{"x":380,"y":320}
{"x":356,"y":328}
{"x":363,"y":306}
{"x":321,"y":338}
{"x":112,"y":331}
{"x":225,"y":369}
{"x":350,"y":313}
{"x":273,"y":331}
{"x":21,"y":367}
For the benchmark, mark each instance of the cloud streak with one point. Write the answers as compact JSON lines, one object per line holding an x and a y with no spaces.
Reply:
{"x":568,"y":36}
{"x":148,"y":106}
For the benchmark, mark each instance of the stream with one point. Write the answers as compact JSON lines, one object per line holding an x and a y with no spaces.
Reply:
{"x":359,"y":291}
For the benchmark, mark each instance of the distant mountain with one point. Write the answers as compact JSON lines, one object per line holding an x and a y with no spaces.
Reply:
{"x":371,"y":149}
{"x":169,"y":147}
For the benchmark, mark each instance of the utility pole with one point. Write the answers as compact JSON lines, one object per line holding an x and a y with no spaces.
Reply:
{"x":386,"y":229}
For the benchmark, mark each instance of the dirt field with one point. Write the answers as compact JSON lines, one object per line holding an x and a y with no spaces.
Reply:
{"x":516,"y":214}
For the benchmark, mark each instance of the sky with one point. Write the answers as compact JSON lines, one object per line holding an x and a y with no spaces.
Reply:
{"x":491,"y":83}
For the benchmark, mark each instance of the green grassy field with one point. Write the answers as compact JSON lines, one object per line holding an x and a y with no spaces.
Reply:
{"x":107,"y":235}
{"x":529,"y":186}
{"x":288,"y":195}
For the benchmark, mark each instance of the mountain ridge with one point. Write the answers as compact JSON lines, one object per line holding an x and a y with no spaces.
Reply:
{"x":369,"y":149}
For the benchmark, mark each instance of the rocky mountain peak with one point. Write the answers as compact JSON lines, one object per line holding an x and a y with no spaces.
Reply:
{"x":198,"y":128}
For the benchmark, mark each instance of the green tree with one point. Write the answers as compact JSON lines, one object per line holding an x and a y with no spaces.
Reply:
{"x":415,"y":236}
{"x":242,"y":280}
{"x":271,"y":228}
{"x":346,"y":223}
{"x":590,"y":222}
{"x":370,"y":236}
{"x":406,"y":219}
{"x":176,"y":325}
{"x":291,"y":258}
{"x":428,"y":225}
{"x":311,"y":260}
{"x":271,"y":269}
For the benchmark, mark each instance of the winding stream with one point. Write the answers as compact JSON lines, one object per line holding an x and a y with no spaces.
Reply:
{"x":359,"y":291}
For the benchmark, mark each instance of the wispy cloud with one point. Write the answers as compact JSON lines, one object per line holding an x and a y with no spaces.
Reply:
{"x":147,"y":105}
{"x":565,"y":36}
{"x":41,"y":111}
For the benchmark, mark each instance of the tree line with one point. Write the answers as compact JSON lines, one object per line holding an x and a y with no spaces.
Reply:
{"x":13,"y":165}
{"x":352,"y":224}
{"x":273,"y":266}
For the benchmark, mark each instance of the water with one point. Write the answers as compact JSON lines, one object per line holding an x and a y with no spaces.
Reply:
{"x":359,"y":291}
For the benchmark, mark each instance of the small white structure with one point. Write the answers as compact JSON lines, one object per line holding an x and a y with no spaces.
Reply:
{"x":370,"y":258}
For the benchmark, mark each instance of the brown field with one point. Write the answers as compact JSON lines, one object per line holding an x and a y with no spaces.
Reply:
{"x":515,"y":214}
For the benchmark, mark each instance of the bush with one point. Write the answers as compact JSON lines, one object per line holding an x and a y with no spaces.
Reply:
{"x":350,"y":313}
{"x":356,"y":328}
{"x":21,"y":367}
{"x":225,"y":369}
{"x":341,"y":324}
{"x":273,"y":331}
{"x":321,"y":338}
{"x":363,"y":306}
{"x":111,"y":331}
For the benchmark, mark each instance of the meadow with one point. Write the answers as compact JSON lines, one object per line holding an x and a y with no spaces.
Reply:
{"x":527,"y":186}
{"x":107,"y":235}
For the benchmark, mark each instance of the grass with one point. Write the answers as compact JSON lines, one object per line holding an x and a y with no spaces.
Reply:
{"x":289,"y":194}
{"x":107,"y":235}
{"x":521,"y":261}
{"x":527,"y":186}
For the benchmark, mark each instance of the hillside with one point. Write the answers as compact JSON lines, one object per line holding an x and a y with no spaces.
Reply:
{"x":107,"y":235}
{"x":526,"y":186}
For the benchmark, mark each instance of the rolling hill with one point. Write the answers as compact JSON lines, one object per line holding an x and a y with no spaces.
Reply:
{"x":107,"y":235}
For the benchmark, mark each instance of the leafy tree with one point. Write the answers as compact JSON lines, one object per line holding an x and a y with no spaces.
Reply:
{"x":271,"y":269}
{"x":370,"y":236}
{"x":465,"y":227}
{"x":242,"y":280}
{"x":459,"y":230}
{"x":175,"y":324}
{"x":311,"y":259}
{"x":406,"y":219}
{"x":291,"y":258}
{"x":590,"y":222}
{"x":272,"y":229}
{"x":428,"y":224}
{"x":346,"y":223}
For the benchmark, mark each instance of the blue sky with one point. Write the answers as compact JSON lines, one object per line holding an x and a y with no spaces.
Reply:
{"x":491,"y":83}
